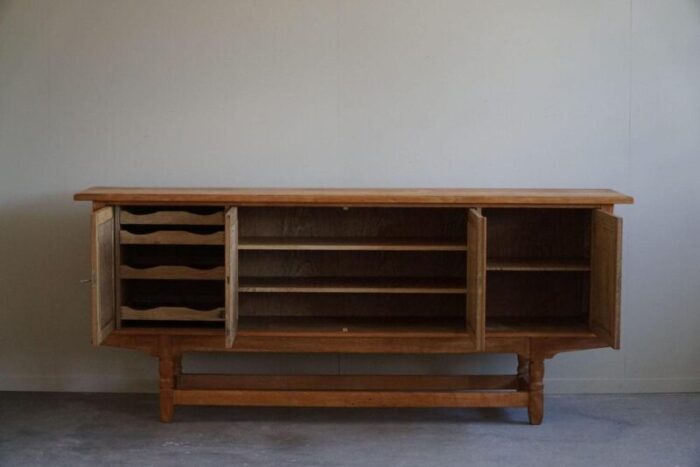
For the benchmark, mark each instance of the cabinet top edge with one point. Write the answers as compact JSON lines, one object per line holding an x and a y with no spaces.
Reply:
{"x":355,"y":196}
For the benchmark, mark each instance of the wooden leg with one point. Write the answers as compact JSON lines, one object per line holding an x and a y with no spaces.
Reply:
{"x":167,"y":366}
{"x":177,"y":370}
{"x":522,"y":373}
{"x":535,"y":407}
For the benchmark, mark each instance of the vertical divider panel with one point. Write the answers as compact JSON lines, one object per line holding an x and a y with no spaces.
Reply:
{"x":476,"y":277}
{"x":606,"y":260}
{"x":103,"y":274}
{"x":231,"y":252}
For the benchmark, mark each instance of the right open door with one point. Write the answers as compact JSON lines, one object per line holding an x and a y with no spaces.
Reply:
{"x":606,"y":261}
{"x":476,"y":277}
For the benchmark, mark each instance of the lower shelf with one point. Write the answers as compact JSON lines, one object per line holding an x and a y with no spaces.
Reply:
{"x":539,"y":327}
{"x":172,"y":313}
{"x":305,"y":326}
{"x":339,"y":327}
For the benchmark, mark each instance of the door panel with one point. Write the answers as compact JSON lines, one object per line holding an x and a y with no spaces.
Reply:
{"x":103,"y":274}
{"x":606,"y":260}
{"x":231,"y":275}
{"x":476,"y":277}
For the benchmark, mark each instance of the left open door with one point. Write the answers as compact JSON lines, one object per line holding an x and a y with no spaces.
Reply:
{"x":103,"y":287}
{"x":231,"y":253}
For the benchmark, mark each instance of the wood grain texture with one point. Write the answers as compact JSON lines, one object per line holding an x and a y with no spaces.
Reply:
{"x":171,"y":237}
{"x":606,"y":267}
{"x":171,"y":313}
{"x":356,"y":271}
{"x":232,"y":279}
{"x":535,"y":406}
{"x":538,"y":264}
{"x":538,"y":295}
{"x":348,"y":244}
{"x":538,"y":327}
{"x":118,"y":259}
{"x":103,"y":274}
{"x":172,"y":272}
{"x":290,"y":398}
{"x":353,"y":196}
{"x":532,"y":233}
{"x":166,"y":372}
{"x":438,"y":307}
{"x":212,"y":340}
{"x":171,"y":217}
{"x":350,"y":285}
{"x":347,"y":382}
{"x":382,"y":267}
{"x":342,"y":327}
{"x":476,"y":276}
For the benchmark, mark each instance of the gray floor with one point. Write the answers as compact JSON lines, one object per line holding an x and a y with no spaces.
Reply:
{"x":109,"y":429}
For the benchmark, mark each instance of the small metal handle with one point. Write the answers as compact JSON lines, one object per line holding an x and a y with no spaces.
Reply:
{"x":85,"y":281}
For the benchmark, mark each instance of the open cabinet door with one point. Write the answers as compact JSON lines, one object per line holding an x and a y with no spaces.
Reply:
{"x":476,"y":277}
{"x":103,"y":286}
{"x":231,"y":275}
{"x":606,"y":261}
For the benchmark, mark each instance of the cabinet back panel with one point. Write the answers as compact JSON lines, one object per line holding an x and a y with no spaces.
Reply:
{"x":537,"y":294}
{"x":199,"y":256}
{"x":352,"y":222}
{"x":352,"y":305}
{"x":538,"y":233}
{"x":351,"y":264}
{"x":198,"y":295}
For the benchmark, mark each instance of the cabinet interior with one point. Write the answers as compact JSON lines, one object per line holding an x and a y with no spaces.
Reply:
{"x":353,"y":270}
{"x":348,"y":270}
{"x":538,"y":269}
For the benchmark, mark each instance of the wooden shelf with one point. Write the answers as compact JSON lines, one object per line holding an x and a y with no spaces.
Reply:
{"x":170,"y":237}
{"x":166,"y":313}
{"x":172,"y":217}
{"x":349,"y":244}
{"x":351,"y":285}
{"x":172,"y":273}
{"x":538,"y":327}
{"x":350,"y":326}
{"x":536,"y":264}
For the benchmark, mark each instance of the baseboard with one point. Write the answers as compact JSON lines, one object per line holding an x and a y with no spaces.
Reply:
{"x":106,"y":383}
{"x":620,"y":386}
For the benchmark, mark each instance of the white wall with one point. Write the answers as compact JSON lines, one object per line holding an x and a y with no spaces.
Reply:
{"x":509,"y":93}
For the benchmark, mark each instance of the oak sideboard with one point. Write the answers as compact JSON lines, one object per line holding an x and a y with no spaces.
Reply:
{"x":530,"y":272}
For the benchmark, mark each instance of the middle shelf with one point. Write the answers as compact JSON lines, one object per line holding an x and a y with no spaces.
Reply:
{"x":389,"y":285}
{"x":350,"y":244}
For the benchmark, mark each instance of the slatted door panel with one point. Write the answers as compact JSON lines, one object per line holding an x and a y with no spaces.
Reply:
{"x":231,"y":237}
{"x":476,"y":277}
{"x":606,"y":261}
{"x":103,"y":274}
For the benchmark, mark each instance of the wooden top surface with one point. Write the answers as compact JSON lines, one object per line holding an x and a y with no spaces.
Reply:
{"x":355,"y":196}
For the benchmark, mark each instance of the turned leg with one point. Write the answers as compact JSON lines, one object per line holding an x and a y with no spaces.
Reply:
{"x":522,"y":373}
{"x":535,"y":409}
{"x":166,"y":369}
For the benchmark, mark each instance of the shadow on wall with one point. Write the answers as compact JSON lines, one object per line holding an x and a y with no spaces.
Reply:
{"x":44,"y":250}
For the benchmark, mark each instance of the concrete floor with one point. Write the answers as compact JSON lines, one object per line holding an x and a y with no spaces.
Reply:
{"x":110,"y":429}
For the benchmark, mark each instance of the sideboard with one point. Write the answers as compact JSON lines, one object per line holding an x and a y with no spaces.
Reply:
{"x":530,"y":272}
